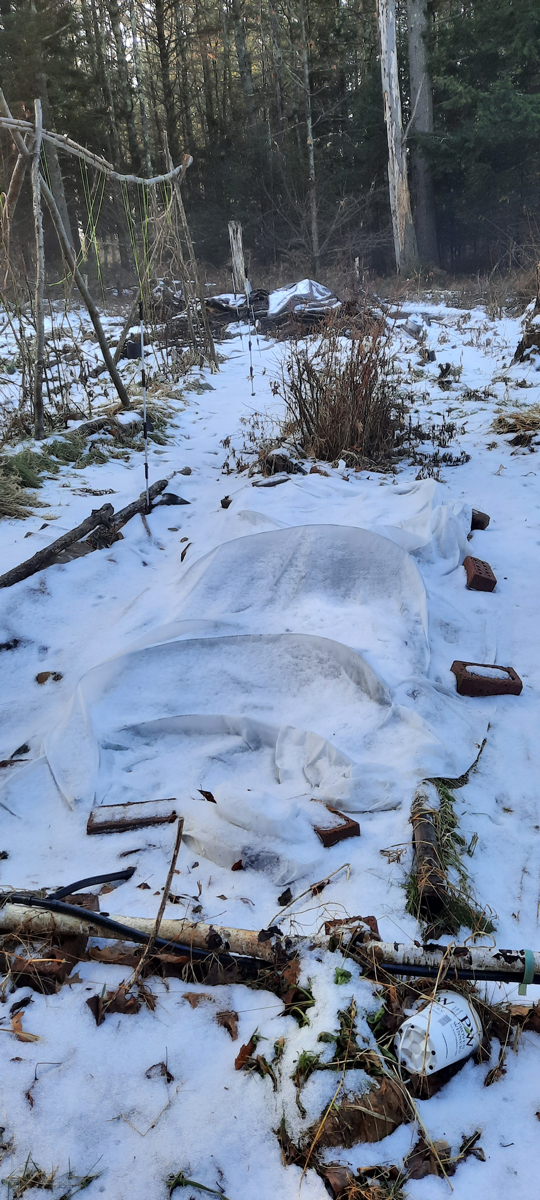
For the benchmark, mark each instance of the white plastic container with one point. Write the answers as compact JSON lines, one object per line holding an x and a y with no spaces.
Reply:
{"x":442,"y":1033}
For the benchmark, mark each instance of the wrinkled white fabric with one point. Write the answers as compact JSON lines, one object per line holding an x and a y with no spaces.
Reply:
{"x":297,"y":711}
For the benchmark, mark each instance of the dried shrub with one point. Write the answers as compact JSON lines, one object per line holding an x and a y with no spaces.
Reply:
{"x":339,"y":399}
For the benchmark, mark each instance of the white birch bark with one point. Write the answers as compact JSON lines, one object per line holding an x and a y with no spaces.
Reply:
{"x":400,"y":202}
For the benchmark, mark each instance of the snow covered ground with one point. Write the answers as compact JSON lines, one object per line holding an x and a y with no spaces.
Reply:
{"x":291,"y":650}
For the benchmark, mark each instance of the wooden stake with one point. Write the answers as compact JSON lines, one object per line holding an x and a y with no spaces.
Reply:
{"x":155,"y":932}
{"x":237,"y":258}
{"x":39,"y":429}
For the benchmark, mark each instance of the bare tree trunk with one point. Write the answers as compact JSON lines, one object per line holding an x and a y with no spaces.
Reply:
{"x":312,"y":178}
{"x":185,"y":78}
{"x":277,"y":69}
{"x":244,"y":62}
{"x":124,"y":84}
{"x":168,"y":93}
{"x":140,"y":90}
{"x":207,"y":81}
{"x":422,"y":122}
{"x":40,"y":277}
{"x":55,"y":174}
{"x":400,"y":201}
{"x":106,"y":87}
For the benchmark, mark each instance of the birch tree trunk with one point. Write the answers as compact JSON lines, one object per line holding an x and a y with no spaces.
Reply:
{"x":400,"y":202}
{"x":422,"y":122}
{"x":40,"y":276}
{"x":312,"y":178}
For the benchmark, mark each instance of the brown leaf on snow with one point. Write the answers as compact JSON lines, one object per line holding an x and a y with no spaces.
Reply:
{"x":196,"y":998}
{"x":207,"y":795}
{"x":229,"y":1021}
{"x":113,"y":1002}
{"x":427,"y":1158}
{"x":367,"y":1117}
{"x":245,"y":1052}
{"x":338,"y":1179}
{"x":20,"y":1033}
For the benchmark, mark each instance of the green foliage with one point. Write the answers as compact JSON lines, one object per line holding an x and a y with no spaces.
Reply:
{"x":342,"y":976}
{"x":485,"y":151}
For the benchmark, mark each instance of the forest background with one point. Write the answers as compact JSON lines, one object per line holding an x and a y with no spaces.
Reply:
{"x":280,"y":104}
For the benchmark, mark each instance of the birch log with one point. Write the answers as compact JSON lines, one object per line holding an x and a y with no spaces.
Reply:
{"x":400,"y":201}
{"x":488,"y":962}
{"x":39,"y":428}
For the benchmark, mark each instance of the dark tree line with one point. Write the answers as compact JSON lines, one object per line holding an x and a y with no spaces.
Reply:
{"x":281,"y":105}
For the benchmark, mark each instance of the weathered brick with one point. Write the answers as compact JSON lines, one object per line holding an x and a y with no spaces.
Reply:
{"x":332,"y":834}
{"x":471,"y":684}
{"x":480,"y":576}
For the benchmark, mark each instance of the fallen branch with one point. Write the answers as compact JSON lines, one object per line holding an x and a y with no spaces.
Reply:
{"x":463,"y":962}
{"x":98,"y":516}
{"x":125,"y":514}
{"x":63,"y":142}
{"x":104,"y":518}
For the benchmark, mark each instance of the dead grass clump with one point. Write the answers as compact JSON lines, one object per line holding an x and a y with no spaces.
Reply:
{"x":15,"y":501}
{"x":338,"y":395}
{"x":26,"y":1177}
{"x":518,"y":422}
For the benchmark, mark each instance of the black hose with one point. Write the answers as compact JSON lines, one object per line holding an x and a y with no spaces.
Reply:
{"x":112,"y":877}
{"x":432,"y":973}
{"x":95,"y":918}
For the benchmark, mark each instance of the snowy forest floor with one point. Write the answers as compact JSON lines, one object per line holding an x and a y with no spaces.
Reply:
{"x":94,"y":1107}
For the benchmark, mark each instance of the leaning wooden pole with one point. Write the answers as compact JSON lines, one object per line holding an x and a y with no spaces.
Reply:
{"x":71,"y":260}
{"x":70,"y":257}
{"x":39,"y":427}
